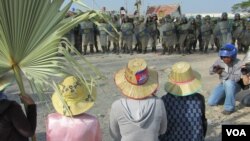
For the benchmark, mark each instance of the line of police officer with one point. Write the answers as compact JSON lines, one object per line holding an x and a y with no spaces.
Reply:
{"x":178,"y":34}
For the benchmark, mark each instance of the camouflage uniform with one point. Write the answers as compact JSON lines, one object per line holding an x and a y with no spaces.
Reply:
{"x":78,"y":38}
{"x":198,"y":22}
{"x":245,"y":36}
{"x":153,"y":31}
{"x":177,"y":25}
{"x":127,"y":30}
{"x":238,"y":27}
{"x":114,"y":37}
{"x":184,"y":30}
{"x":223,"y":30}
{"x":103,"y":35}
{"x":141,"y":35}
{"x":168,"y":35}
{"x":206,"y":32}
{"x":87,"y":28}
{"x":136,"y":40}
{"x":212,"y":39}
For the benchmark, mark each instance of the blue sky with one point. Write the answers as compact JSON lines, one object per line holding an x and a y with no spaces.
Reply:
{"x":187,"y":6}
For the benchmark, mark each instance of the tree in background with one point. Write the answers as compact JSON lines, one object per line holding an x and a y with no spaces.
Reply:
{"x":242,"y":7}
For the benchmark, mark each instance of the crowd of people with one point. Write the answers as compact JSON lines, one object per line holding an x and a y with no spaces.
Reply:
{"x":138,"y":33}
{"x":139,"y":114}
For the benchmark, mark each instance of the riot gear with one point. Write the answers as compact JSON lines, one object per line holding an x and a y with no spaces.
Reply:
{"x":224,"y":16}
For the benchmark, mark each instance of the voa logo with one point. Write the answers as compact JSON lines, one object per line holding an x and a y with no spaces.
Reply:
{"x":236,"y":132}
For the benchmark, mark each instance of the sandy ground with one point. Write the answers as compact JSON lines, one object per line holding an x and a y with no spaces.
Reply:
{"x":108,"y":92}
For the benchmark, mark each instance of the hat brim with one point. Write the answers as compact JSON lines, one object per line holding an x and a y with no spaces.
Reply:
{"x":137,"y":91}
{"x":75,"y":107}
{"x":184,"y":89}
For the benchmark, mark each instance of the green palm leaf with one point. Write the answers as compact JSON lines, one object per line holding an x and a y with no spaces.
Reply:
{"x":30,"y":35}
{"x":30,"y":32}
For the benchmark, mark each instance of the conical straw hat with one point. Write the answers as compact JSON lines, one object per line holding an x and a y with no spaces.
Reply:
{"x":76,"y":95}
{"x":137,"y":81}
{"x":182,"y":80}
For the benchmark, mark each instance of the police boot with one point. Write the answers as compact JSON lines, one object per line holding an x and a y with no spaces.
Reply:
{"x":131,"y":51}
{"x":117,"y":50}
{"x":164,"y":51}
{"x":205,"y":50}
{"x":96,"y":47}
{"x":106,"y":49}
{"x":91,"y":49}
{"x":154,"y":49}
{"x":85,"y":50}
{"x":170,"y":50}
{"x":103,"y":49}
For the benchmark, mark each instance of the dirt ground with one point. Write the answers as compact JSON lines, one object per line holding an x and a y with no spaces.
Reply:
{"x":108,"y":92}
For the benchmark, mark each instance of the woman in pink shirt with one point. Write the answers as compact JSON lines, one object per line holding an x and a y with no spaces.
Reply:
{"x":70,"y":123}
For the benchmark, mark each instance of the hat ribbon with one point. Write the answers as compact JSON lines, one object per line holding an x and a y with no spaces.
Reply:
{"x":184,"y":82}
{"x":80,"y":99}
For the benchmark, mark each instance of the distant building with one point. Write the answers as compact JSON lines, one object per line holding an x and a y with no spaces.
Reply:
{"x":163,"y":10}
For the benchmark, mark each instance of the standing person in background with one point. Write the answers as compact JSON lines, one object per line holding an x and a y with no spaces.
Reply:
{"x":223,"y":30}
{"x":168,"y":34}
{"x":103,"y":29}
{"x":198,"y":22}
{"x":238,"y":28}
{"x":127,"y":31}
{"x":87,"y":28}
{"x":139,"y":115}
{"x":206,"y":32}
{"x":71,"y":123}
{"x":228,"y":67}
{"x":114,"y":37}
{"x":152,"y":31}
{"x":15,"y":125}
{"x":184,"y":105}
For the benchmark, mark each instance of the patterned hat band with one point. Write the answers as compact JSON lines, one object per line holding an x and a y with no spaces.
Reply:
{"x":183,"y":82}
{"x":139,"y":78}
{"x":89,"y":98}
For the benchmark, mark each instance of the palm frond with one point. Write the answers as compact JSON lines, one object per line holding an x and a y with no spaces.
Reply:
{"x":30,"y":32}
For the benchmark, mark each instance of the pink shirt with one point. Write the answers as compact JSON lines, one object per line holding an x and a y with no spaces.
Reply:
{"x":82,"y":127}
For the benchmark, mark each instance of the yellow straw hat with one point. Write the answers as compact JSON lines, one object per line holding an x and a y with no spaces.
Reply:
{"x":6,"y":80}
{"x":182,"y":80}
{"x":136,"y":81}
{"x":74,"y":97}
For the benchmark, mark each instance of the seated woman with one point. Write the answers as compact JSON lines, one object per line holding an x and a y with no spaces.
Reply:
{"x":71,"y":123}
{"x":184,"y":104}
{"x":139,"y":115}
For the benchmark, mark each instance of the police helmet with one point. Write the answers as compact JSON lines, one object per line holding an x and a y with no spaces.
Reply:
{"x":224,"y":16}
{"x":237,"y":16}
{"x":228,"y":50}
{"x":198,"y":17}
{"x":207,"y":17}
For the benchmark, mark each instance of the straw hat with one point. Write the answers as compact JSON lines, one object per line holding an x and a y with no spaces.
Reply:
{"x":6,"y":80}
{"x":136,"y":81}
{"x":182,"y":80}
{"x":75,"y":95}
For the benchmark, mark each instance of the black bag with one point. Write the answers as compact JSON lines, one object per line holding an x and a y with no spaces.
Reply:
{"x":243,"y":87}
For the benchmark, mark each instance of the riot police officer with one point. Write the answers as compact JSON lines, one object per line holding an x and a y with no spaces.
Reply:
{"x":223,"y":30}
{"x":168,"y":35}
{"x":238,"y":27}
{"x":206,"y":32}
